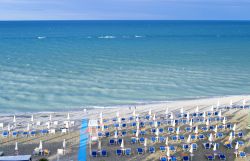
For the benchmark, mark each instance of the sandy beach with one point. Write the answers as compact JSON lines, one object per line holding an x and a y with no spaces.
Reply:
{"x":53,"y":142}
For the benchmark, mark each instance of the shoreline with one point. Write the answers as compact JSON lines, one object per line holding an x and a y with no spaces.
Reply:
{"x":146,"y":103}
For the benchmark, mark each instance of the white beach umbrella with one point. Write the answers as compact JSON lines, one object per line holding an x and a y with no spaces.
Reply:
{"x":8,"y":127}
{"x":191,"y":150}
{"x":40,"y":145}
{"x":220,"y":113}
{"x":101,"y":115}
{"x":188,"y":117}
{"x":68,"y":117}
{"x":197,"y":109}
{"x":212,"y":108}
{"x":145,"y":142}
{"x":211,"y":138}
{"x":48,"y":125}
{"x":137,"y":134}
{"x":237,"y":146}
{"x":32,"y":118}
{"x":230,"y":139}
{"x":215,"y":147}
{"x":137,"y":125}
{"x":244,"y":103}
{"x":16,"y":147}
{"x":28,"y":127}
{"x":155,"y":124}
{"x":182,"y":110}
{"x":50,"y":117}
{"x":218,"y":104}
{"x":204,"y":114}
{"x":196,"y":130}
{"x":99,"y":145}
{"x":122,"y":144}
{"x":178,"y":130}
{"x":171,"y":116}
{"x":168,"y":152}
{"x":191,"y":123}
{"x":102,"y":127}
{"x":224,"y":121}
{"x":150,"y":112}
{"x":234,"y":127}
{"x":207,"y":122}
{"x":154,"y":117}
{"x":231,"y":103}
{"x":216,"y":129}
{"x":101,"y":121}
{"x":173,"y":123}
{"x":189,"y":139}
{"x":137,"y":118}
{"x":166,"y":142}
{"x":117,"y":114}
{"x":134,"y":113}
{"x":166,"y":112}
{"x":119,"y":120}
{"x":64,"y":143}
{"x":157,"y":132}
{"x":116,"y":136}
{"x":14,"y":119}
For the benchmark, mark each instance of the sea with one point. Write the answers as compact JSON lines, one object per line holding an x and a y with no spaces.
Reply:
{"x":64,"y":65}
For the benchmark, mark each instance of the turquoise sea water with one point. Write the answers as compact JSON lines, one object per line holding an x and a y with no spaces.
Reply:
{"x":53,"y":65}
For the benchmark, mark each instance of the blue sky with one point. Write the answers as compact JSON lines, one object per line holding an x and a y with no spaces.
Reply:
{"x":124,"y":9}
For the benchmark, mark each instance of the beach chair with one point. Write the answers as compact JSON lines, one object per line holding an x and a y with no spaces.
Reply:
{"x":201,"y":136}
{"x":14,"y":133}
{"x":133,"y":132}
{"x":210,"y":156}
{"x":147,"y":117}
{"x":163,"y":158}
{"x":153,"y":130}
{"x":161,"y":130}
{"x":194,"y":146}
{"x":174,"y":138}
{"x":162,"y":148}
{"x":107,"y":133}
{"x":207,"y":145}
{"x":104,"y":153}
{"x":124,"y":133}
{"x":173,"y":158}
{"x":114,"y":119}
{"x":44,"y":131}
{"x":185,"y":158}
{"x":33,"y":133}
{"x":123,"y":119}
{"x":219,"y":135}
{"x":124,"y":125}
{"x":143,"y":132}
{"x":185,"y":147}
{"x":193,"y":137}
{"x":204,"y":128}
{"x":188,"y":129}
{"x":140,"y":150}
{"x":151,"y":123}
{"x":118,"y":152}
{"x":142,"y":124}
{"x":100,"y":134}
{"x":119,"y":141}
{"x":141,"y":140}
{"x":111,"y":141}
{"x":222,"y":156}
{"x":240,"y":135}
{"x":242,"y":154}
{"x":241,"y":143}
{"x":228,"y":145}
{"x":5,"y":134}
{"x":172,"y":148}
{"x":153,"y":139}
{"x":220,"y":127}
{"x":25,"y":133}
{"x":133,"y":140}
{"x":151,"y":149}
{"x":182,"y":137}
{"x":170,"y":130}
{"x":133,"y":124}
{"x":162,"y":139}
{"x":211,"y":127}
{"x":116,"y":125}
{"x":128,"y":151}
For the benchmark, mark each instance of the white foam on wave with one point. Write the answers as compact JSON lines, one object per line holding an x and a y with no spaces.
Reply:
{"x":107,"y":37}
{"x":41,"y":37}
{"x":138,"y":36}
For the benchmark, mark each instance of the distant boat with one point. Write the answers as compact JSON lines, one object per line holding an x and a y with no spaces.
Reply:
{"x":41,"y":37}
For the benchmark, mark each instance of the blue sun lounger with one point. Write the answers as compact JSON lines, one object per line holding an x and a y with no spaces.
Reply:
{"x":128,"y":151}
{"x":104,"y":153}
{"x":94,"y":153}
{"x":118,"y":152}
{"x":140,"y":150}
{"x":222,"y":156}
{"x":151,"y":149}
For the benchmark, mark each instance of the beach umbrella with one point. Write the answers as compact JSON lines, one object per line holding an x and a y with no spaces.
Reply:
{"x":100,"y":115}
{"x":48,"y":125}
{"x":157,"y":132}
{"x":204,"y":114}
{"x":150,"y":112}
{"x":8,"y":127}
{"x":117,"y":114}
{"x":14,"y":118}
{"x":32,"y":118}
{"x":216,"y":129}
{"x":196,"y":130}
{"x":137,"y":134}
{"x":116,"y":136}
{"x":119,"y":120}
{"x":64,"y":143}
{"x":197,"y":109}
{"x":145,"y":142}
{"x":234,"y":127}
{"x":101,"y":121}
{"x":188,"y":117}
{"x":137,"y":118}
{"x":50,"y":117}
{"x":182,"y":110}
{"x":102,"y":127}
{"x":99,"y":145}
{"x":156,"y":124}
{"x":178,"y":130}
{"x":171,"y":116}
{"x":166,"y":142}
{"x":122,"y":144}
{"x":220,"y":113}
{"x":68,"y":117}
{"x":173,"y":123}
{"x":191,"y":123}
{"x":189,"y":139}
{"x":230,"y":137}
{"x":211,"y":138}
{"x":215,"y":147}
{"x":218,"y":104}
{"x":237,"y":146}
{"x":168,"y":152}
{"x":40,"y":145}
{"x":16,"y":147}
{"x":137,"y":125}
{"x":207,"y":122}
{"x":28,"y":127}
{"x":243,"y":103}
{"x":154,"y":117}
{"x":231,"y":103}
{"x":212,"y":108}
{"x":191,"y":150}
{"x":134,"y":114}
{"x":166,"y":112}
{"x":224,"y":121}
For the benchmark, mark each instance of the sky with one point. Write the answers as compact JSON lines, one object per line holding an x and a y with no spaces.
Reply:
{"x":124,"y":9}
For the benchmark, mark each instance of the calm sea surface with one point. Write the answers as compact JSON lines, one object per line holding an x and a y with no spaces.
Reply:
{"x":53,"y":65}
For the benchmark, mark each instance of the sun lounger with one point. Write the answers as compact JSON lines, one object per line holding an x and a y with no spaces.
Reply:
{"x":182,"y":137}
{"x":188,"y":129}
{"x":210,"y":156}
{"x":185,"y":147}
{"x":5,"y":134}
{"x":128,"y":151}
{"x":228,"y":145}
{"x":222,"y":156}
{"x":201,"y":137}
{"x":174,"y":138}
{"x":163,"y":158}
{"x":207,"y":145}
{"x":111,"y":141}
{"x":118,"y":152}
{"x":162,"y":139}
{"x":124,"y":133}
{"x":151,"y":149}
{"x":104,"y":153}
{"x":143,"y":132}
{"x":173,"y":158}
{"x":194,"y":146}
{"x":242,"y":154}
{"x":162,"y":148}
{"x":153,"y":139}
{"x":141,"y":140}
{"x":133,"y":140}
{"x":140,"y":150}
{"x":172,"y":148}
{"x":240,"y":135}
{"x":185,"y":158}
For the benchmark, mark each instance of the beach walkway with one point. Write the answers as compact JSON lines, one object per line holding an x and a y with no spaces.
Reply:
{"x":82,"y":153}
